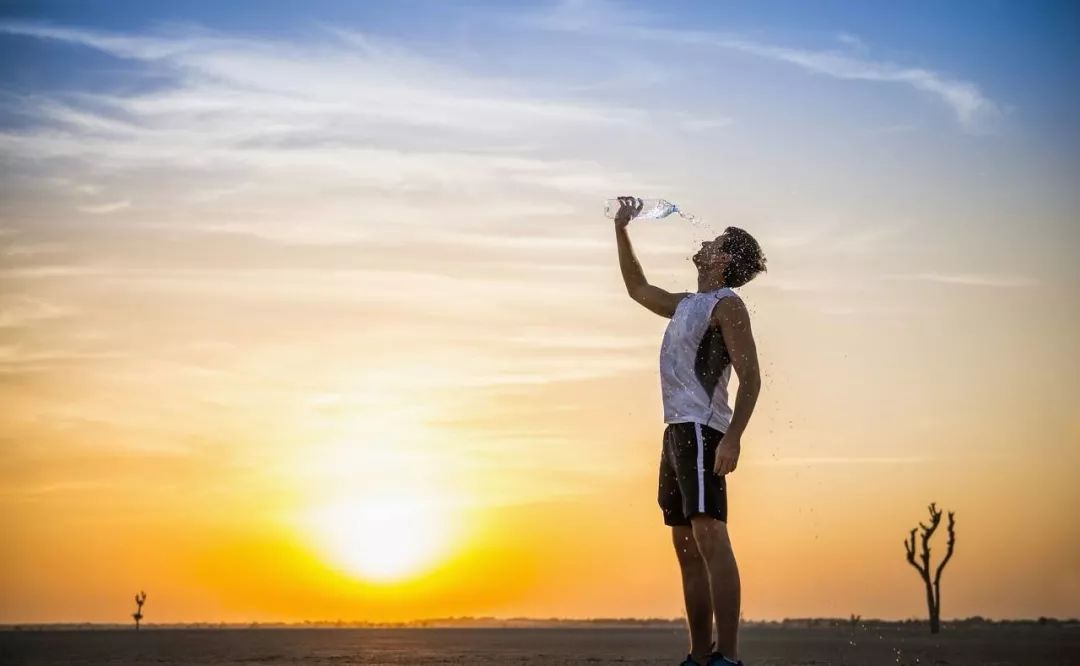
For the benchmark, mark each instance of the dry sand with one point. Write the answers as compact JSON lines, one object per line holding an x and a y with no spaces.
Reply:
{"x":762,"y":644}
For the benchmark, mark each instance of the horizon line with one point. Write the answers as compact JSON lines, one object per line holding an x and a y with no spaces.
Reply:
{"x":491,"y":621}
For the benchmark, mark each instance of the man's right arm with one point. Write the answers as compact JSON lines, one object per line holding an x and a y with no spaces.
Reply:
{"x":654,"y":298}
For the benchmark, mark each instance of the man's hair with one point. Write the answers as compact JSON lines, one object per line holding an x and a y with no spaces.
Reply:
{"x":747,"y":259}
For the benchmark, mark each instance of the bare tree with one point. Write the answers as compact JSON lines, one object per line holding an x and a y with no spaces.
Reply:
{"x":933,"y":587}
{"x":140,"y":599}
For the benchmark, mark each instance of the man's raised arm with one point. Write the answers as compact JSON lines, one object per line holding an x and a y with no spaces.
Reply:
{"x":656,"y":299}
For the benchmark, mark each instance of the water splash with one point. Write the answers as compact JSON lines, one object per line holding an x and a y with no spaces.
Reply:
{"x":692,"y":219}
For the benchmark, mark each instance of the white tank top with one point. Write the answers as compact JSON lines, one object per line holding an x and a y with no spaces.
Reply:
{"x":694,"y":364}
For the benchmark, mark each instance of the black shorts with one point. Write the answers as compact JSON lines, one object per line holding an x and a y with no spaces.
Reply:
{"x":688,"y":485}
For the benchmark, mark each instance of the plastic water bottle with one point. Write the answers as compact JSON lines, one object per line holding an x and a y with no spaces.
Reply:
{"x":651,"y":209}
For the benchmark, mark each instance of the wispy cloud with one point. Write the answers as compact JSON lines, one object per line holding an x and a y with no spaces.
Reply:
{"x":31,"y":249}
{"x":833,"y":233}
{"x":19,"y":310}
{"x":972,"y":279}
{"x":588,"y":15}
{"x":350,"y":75}
{"x":970,"y":106}
{"x":330,"y":136}
{"x":105,"y":208}
{"x":699,"y":124}
{"x":31,"y":492}
{"x":846,"y":310}
{"x":347,"y":103}
{"x":963,"y":97}
{"x":843,"y":460}
{"x":20,"y":359}
{"x":850,"y":40}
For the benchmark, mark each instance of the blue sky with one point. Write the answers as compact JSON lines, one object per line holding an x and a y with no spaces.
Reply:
{"x":954,"y":122}
{"x":1024,"y":51}
{"x":953,"y":84}
{"x":960,"y":115}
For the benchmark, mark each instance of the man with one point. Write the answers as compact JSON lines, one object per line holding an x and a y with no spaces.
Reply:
{"x":708,"y":335}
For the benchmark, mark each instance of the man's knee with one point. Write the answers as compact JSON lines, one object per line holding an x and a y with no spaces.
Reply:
{"x":711,"y":535}
{"x":686,"y":547}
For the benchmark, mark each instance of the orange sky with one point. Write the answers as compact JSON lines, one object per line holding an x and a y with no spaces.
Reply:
{"x":524,"y":432}
{"x":266,"y":374}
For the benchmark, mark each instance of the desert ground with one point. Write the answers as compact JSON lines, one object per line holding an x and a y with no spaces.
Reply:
{"x":775,"y":645}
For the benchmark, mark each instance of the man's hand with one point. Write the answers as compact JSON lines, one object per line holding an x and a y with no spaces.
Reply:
{"x":727,"y":454}
{"x":629,"y":207}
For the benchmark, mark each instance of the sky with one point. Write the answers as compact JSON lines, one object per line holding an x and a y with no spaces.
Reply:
{"x":310,"y":311}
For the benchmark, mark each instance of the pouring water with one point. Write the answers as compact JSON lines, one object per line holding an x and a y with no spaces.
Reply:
{"x":651,"y":209}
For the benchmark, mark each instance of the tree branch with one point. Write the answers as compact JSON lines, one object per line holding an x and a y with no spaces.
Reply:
{"x":949,"y":550}
{"x":909,"y":548}
{"x":927,"y":532}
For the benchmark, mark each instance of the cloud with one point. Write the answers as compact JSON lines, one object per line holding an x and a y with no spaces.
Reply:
{"x":17,"y":359}
{"x":20,"y":310}
{"x":842,"y":460}
{"x":31,"y":249}
{"x":832,"y":233}
{"x":147,"y":48}
{"x":105,"y":208}
{"x":352,"y":75}
{"x":965,"y":99}
{"x":972,"y":279}
{"x":850,"y":40}
{"x":333,"y":137}
{"x":842,"y":310}
{"x":335,"y":113}
{"x":700,"y":124}
{"x":967,"y":102}
{"x":41,"y":490}
{"x":587,"y":15}
{"x":51,"y":271}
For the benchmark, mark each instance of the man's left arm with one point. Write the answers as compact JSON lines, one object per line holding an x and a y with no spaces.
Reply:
{"x":731,"y":316}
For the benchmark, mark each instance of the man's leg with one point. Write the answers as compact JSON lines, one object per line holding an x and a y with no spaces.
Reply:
{"x":695,"y":582}
{"x":712,"y":539}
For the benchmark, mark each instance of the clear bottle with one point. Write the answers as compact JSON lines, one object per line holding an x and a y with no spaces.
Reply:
{"x":651,"y":209}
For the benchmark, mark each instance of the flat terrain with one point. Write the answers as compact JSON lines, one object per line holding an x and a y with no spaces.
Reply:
{"x":761,"y":644}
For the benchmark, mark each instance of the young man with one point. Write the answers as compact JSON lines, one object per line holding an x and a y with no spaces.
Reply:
{"x":708,"y":335}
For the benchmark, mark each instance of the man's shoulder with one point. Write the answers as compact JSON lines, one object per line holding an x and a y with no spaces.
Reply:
{"x":729,"y":308}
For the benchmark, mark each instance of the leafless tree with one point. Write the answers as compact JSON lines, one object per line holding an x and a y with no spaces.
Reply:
{"x":140,"y":599}
{"x":933,"y":586}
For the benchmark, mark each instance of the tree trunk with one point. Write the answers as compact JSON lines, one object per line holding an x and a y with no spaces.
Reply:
{"x":935,"y":619}
{"x":933,"y":608}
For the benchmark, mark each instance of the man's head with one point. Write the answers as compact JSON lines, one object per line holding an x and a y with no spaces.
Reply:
{"x":731,"y":260}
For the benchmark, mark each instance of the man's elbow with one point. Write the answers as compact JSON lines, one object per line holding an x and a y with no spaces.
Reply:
{"x":636,"y":291}
{"x":749,"y":379}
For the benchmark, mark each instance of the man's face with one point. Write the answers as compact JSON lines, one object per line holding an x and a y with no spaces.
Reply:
{"x":711,"y":256}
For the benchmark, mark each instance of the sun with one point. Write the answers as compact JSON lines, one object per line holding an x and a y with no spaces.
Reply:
{"x":385,"y":537}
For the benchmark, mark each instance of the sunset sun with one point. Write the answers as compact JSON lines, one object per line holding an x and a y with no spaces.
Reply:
{"x":382,"y":538}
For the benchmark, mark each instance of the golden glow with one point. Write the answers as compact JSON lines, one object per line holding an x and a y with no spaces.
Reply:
{"x":382,"y":538}
{"x":279,"y":341}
